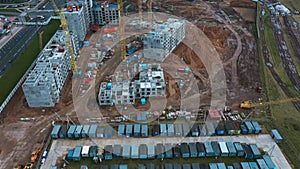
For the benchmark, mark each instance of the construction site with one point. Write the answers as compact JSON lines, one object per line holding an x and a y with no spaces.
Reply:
{"x":158,"y":64}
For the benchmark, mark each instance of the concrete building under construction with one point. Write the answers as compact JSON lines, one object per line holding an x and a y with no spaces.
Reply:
{"x":151,"y":82}
{"x":104,"y":13}
{"x":44,"y":83}
{"x":159,"y":43}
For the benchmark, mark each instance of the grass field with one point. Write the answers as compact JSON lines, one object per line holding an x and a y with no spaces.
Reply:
{"x":16,"y":71}
{"x":284,"y":116}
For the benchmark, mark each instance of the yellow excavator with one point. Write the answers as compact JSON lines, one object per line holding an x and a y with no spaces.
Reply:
{"x":248,"y":104}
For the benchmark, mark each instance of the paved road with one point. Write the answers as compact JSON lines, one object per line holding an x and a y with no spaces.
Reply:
{"x":60,"y":147}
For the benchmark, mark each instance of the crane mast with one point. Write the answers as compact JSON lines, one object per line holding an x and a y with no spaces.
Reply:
{"x":140,"y":4}
{"x":121,"y":27}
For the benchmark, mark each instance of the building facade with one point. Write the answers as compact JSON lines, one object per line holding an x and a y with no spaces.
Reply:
{"x":104,"y":13}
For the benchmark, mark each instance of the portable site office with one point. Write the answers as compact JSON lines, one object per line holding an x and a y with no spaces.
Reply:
{"x":245,"y":165}
{"x":223,"y":148}
{"x":193,"y":150}
{"x":257,"y":127}
{"x":93,"y":151}
{"x":168,"y":150}
{"x":253,"y":165}
{"x":78,"y":130}
{"x":276,"y":136}
{"x":269,"y":162}
{"x":176,"y":151}
{"x":255,"y":150}
{"x":121,"y":130}
{"x":262,"y":164}
{"x":151,"y":151}
{"x":85,"y":151}
{"x":220,"y":129}
{"x":63,"y":133}
{"x":248,"y":151}
{"x":186,"y":166}
{"x":85,"y":131}
{"x":221,"y":166}
{"x":155,"y":130}
{"x":126,"y":151}
{"x":108,"y":150}
{"x":100,"y":132}
{"x":178,"y":129}
{"x":143,"y":153}
{"x":202,"y":129}
{"x":144,"y":131}
{"x":237,"y":166}
{"x":117,"y":151}
{"x":163,"y":129}
{"x":93,"y":131}
{"x":137,"y":130}
{"x":239,"y":149}
{"x":208,"y":149}
{"x":195,"y":166}
{"x":231,"y":149}
{"x":108,"y":131}
{"x":134,"y":151}
{"x":129,"y":130}
{"x":194,"y":131}
{"x":171,"y":132}
{"x":168,"y":166}
{"x":177,"y":166}
{"x":216,"y":148}
{"x":210,"y":129}
{"x":159,"y":150}
{"x":249,"y":126}
{"x":186,"y":129}
{"x":185,"y":153}
{"x":213,"y":166}
{"x":244,"y":129}
{"x":55,"y":131}
{"x":71,"y":131}
{"x":200,"y":149}
{"x":77,"y":153}
{"x":123,"y":166}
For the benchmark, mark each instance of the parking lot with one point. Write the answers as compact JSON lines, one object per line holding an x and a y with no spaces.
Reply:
{"x":60,"y":147}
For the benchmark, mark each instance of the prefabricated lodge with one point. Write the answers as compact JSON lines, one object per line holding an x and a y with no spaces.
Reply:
{"x":108,"y":131}
{"x":163,"y":129}
{"x":216,"y":148}
{"x":202,"y":129}
{"x":221,"y":166}
{"x":168,"y":150}
{"x":223,"y":148}
{"x":208,"y":149}
{"x":77,"y":153}
{"x":253,"y":165}
{"x":137,"y":130}
{"x":231,"y":149}
{"x":143,"y":151}
{"x":126,"y":151}
{"x":178,"y":129}
{"x":262,"y":164}
{"x":186,"y":129}
{"x":195,"y":166}
{"x":237,"y":166}
{"x":200,"y":149}
{"x":71,"y":131}
{"x":155,"y":130}
{"x":194,"y":131}
{"x":213,"y":166}
{"x":85,"y":131}
{"x":193,"y":150}
{"x":176,"y":151}
{"x":55,"y":131}
{"x":239,"y":149}
{"x":100,"y":132}
{"x":63,"y":133}
{"x":171,"y":132}
{"x":144,"y":131}
{"x":134,"y":151}
{"x":255,"y":150}
{"x":151,"y":151}
{"x":184,"y":150}
{"x":269,"y":162}
{"x":249,"y":126}
{"x":159,"y":150}
{"x":78,"y":130}
{"x":121,"y":130}
{"x":245,"y":165}
{"x":93,"y":131}
{"x":117,"y":151}
{"x":248,"y":151}
{"x":129,"y":130}
{"x":257,"y":127}
{"x":108,"y":150}
{"x":276,"y":136}
{"x":85,"y":151}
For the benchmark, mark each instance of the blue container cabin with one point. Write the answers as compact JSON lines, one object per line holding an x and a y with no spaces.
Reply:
{"x":155,"y":130}
{"x":168,"y":150}
{"x":193,"y":150}
{"x":70,"y":154}
{"x":141,"y":166}
{"x":177,"y":166}
{"x":276,"y":136}
{"x":269,"y":162}
{"x":129,"y":128}
{"x":168,"y":166}
{"x":202,"y":130}
{"x":184,"y":149}
{"x":134,"y":151}
{"x":93,"y":131}
{"x":150,"y":166}
{"x":186,"y":129}
{"x":231,"y":149}
{"x":221,"y":166}
{"x":195,"y":166}
{"x":176,"y":151}
{"x":114,"y":166}
{"x":100,"y":132}
{"x":123,"y":166}
{"x":108,"y":131}
{"x":151,"y":151}
{"x":230,"y":167}
{"x":208,"y":149}
{"x":63,"y":133}
{"x":171,"y":132}
{"x":220,"y":129}
{"x":159,"y":150}
{"x":216,"y":148}
{"x":93,"y":151}
{"x":144,"y":131}
{"x":248,"y":151}
{"x":137,"y":130}
{"x":200,"y":149}
{"x":163,"y":129}
{"x":126,"y":151}
{"x":178,"y":129}
{"x":78,"y":130}
{"x":249,"y":126}
{"x":210,"y":129}
{"x":224,"y":149}
{"x":262,"y":164}
{"x":204,"y":166}
{"x":85,"y":131}
{"x":253,"y":165}
{"x":108,"y":150}
{"x":121,"y":130}
{"x":257,"y":127}
{"x":71,"y":130}
{"x":194,"y":131}
{"x":117,"y":150}
{"x":229,"y":128}
{"x":255,"y":150}
{"x":245,"y":165}
{"x":77,"y":153}
{"x":55,"y":131}
{"x":143,"y":153}
{"x":244,"y":129}
{"x":239,"y":149}
{"x":236,"y":165}
{"x":186,"y":166}
{"x":213,"y":166}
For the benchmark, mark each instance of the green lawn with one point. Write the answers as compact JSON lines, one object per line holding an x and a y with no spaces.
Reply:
{"x":16,"y":71}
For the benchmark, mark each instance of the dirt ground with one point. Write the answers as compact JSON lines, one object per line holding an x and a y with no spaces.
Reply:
{"x":19,"y":137}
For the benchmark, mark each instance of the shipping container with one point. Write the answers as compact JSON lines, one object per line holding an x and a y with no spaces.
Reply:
{"x":239,"y":149}
{"x":171,"y":132}
{"x":248,"y":152}
{"x":221,"y":166}
{"x":163,"y":130}
{"x":186,"y":166}
{"x":216,"y":148}
{"x":100,"y":132}
{"x":78,"y":130}
{"x":108,"y":131}
{"x":143,"y":153}
{"x":213,"y":166}
{"x":220,"y":129}
{"x":276,"y":136}
{"x":249,"y":126}
{"x":85,"y":131}
{"x":121,"y":130}
{"x":176,"y":151}
{"x":63,"y":133}
{"x":144,"y":131}
{"x":244,"y":129}
{"x":202,"y":130}
{"x":108,"y":150}
{"x":77,"y":153}
{"x":137,"y":130}
{"x":194,"y":131}
{"x":224,"y":149}
{"x":123,"y":166}
{"x":257,"y":127}
{"x":262,"y":164}
{"x":193,"y":150}
{"x":200,"y":149}
{"x":255,"y":150}
{"x":245,"y":165}
{"x":178,"y":129}
{"x":129,"y":129}
{"x":269,"y":162}
{"x":70,"y":154}
{"x":93,"y":131}
{"x":151,"y":151}
{"x":126,"y":151}
{"x":237,"y":166}
{"x":159,"y":150}
{"x":168,"y":150}
{"x":150,"y":166}
{"x":231,"y":149}
{"x":195,"y":166}
{"x":168,"y":166}
{"x":210,"y":129}
{"x":55,"y":131}
{"x":117,"y":151}
{"x":184,"y":149}
{"x":155,"y":130}
{"x":85,"y":151}
{"x":134,"y":151}
{"x":177,"y":166}
{"x":208,"y":149}
{"x":253,"y":165}
{"x":93,"y":151}
{"x":186,"y":129}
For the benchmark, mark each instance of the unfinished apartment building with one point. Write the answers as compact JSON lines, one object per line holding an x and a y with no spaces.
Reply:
{"x":105,"y":12}
{"x":159,"y":43}
{"x":151,"y":82}
{"x":43,"y":85}
{"x":78,"y":18}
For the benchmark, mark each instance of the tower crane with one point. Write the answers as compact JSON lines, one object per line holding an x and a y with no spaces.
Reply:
{"x":64,"y":25}
{"x":121,"y":25}
{"x":140,"y":4}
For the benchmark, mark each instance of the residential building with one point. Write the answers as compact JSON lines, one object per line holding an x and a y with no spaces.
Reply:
{"x":104,"y":13}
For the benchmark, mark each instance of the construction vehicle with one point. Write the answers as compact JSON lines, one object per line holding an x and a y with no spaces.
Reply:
{"x":248,"y":104}
{"x":28,"y":166}
{"x":64,"y":25}
{"x":35,"y":154}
